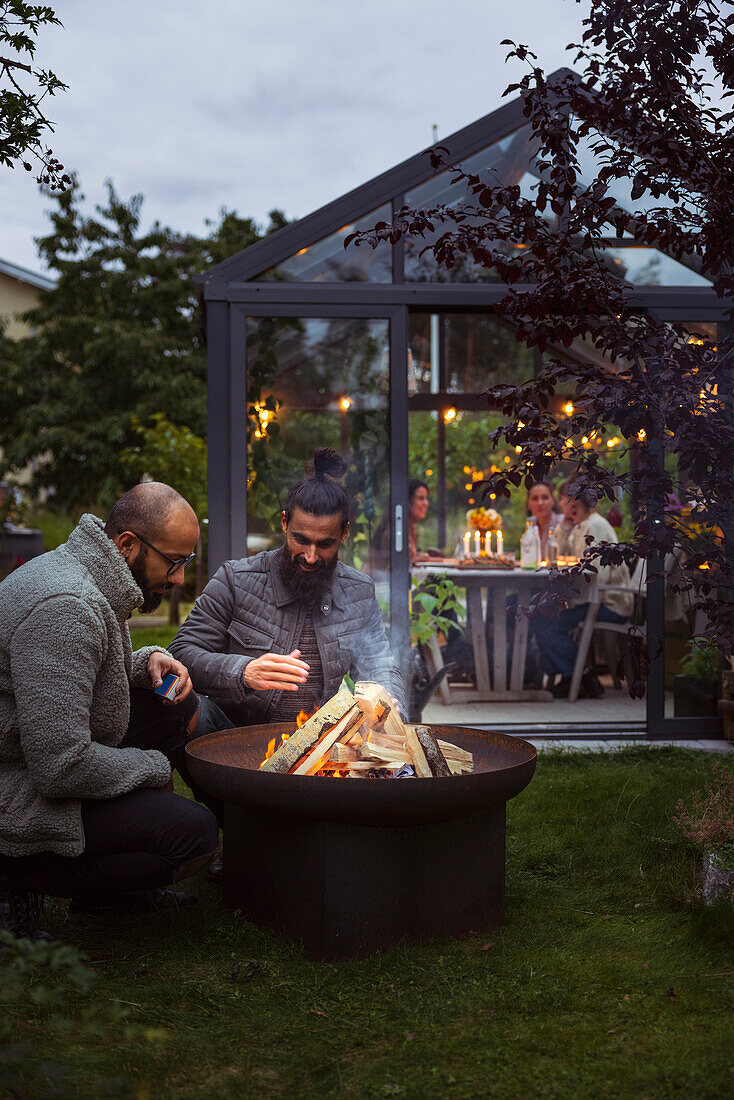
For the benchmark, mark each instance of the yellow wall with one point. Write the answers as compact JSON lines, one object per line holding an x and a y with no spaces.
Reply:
{"x":15,"y":298}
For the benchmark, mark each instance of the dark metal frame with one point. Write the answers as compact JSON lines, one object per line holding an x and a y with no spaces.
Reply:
{"x":228,"y":295}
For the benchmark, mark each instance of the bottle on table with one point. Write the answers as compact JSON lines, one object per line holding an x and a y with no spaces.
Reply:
{"x":530,"y":546}
{"x":551,"y":555}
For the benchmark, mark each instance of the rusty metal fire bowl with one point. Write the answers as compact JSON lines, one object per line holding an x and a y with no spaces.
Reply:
{"x":351,"y":866}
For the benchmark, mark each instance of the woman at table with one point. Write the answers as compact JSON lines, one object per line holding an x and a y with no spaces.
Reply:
{"x":541,"y":504}
{"x":418,"y":503}
{"x":553,"y":634}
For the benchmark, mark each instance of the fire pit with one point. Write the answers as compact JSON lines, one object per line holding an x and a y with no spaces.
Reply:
{"x":350,"y":866}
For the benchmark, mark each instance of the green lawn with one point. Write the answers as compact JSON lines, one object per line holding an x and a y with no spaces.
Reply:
{"x":609,"y":978}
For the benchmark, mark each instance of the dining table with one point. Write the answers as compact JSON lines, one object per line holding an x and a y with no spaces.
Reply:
{"x":500,"y":684}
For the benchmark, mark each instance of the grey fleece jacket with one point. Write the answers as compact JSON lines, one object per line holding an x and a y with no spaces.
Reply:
{"x":66,"y":668}
{"x":246,"y":611}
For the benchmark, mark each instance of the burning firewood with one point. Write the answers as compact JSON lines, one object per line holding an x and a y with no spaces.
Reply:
{"x":363,"y":736}
{"x":354,"y":717}
{"x":291,"y":751}
{"x":380,"y":712}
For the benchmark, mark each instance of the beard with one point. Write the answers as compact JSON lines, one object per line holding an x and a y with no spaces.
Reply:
{"x":151,"y":599}
{"x":307,"y":587}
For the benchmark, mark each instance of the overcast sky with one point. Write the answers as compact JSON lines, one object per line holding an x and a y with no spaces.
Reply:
{"x":255,"y":104}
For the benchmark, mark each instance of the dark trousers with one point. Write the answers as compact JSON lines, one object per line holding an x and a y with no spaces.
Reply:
{"x":553,"y":635}
{"x":134,"y":841}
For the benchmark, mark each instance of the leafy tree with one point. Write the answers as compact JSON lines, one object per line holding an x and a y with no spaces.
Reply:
{"x":650,"y":109}
{"x":165,"y":452}
{"x":23,"y":88}
{"x":116,"y":342}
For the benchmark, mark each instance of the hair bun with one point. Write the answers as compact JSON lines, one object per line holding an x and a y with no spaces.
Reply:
{"x":327,"y":463}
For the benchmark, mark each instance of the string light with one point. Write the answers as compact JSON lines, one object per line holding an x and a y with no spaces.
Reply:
{"x":346,"y":403}
{"x":264,"y":416}
{"x":568,"y":408}
{"x":642,"y":435}
{"x":449,"y":415}
{"x":429,"y":473}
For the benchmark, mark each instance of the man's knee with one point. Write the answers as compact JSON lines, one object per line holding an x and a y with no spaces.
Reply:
{"x":198,"y":831}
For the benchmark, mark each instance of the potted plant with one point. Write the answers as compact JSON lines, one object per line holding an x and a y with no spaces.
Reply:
{"x":710,"y":825}
{"x":696,"y":689}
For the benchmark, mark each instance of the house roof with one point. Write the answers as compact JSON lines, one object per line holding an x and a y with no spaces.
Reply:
{"x":24,"y":275}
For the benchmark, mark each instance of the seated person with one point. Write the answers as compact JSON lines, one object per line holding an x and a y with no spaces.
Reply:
{"x":418,"y":502}
{"x":541,"y":504}
{"x":274,"y":634}
{"x":87,"y":809}
{"x":553,"y":634}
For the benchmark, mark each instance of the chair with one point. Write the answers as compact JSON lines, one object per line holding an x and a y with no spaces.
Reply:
{"x":434,"y":661}
{"x":638,"y":587}
{"x":616,"y":636}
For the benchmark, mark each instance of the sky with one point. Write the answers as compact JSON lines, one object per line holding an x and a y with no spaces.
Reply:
{"x":258,"y":104}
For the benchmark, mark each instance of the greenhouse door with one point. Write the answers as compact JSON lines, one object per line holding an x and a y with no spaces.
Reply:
{"x":299,"y":377}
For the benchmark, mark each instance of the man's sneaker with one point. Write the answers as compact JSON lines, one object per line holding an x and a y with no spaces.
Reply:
{"x":215,"y":871}
{"x":141,"y":901}
{"x":562,"y":688}
{"x":591,"y":687}
{"x":19,"y":913}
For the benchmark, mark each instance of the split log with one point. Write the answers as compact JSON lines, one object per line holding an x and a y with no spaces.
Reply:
{"x":322,"y":748}
{"x":453,"y":752}
{"x":369,"y":750}
{"x":344,"y":754}
{"x":372,"y":698}
{"x":434,"y":756}
{"x":291,"y":751}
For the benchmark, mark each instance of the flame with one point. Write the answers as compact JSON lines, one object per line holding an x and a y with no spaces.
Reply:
{"x":271,"y":746}
{"x":301,"y":718}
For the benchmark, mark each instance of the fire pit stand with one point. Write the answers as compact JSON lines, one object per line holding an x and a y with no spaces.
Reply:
{"x":351,"y":866}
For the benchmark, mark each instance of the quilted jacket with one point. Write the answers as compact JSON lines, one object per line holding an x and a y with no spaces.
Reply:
{"x":66,"y":667}
{"x":246,"y":610}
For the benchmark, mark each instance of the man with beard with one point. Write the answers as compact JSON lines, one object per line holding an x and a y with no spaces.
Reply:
{"x":274,"y":634}
{"x":87,"y":749}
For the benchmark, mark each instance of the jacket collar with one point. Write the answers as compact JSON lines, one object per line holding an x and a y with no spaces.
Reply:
{"x":284,"y":596}
{"x":89,"y":544}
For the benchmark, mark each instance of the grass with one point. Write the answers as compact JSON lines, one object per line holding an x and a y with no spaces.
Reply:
{"x":609,"y":977}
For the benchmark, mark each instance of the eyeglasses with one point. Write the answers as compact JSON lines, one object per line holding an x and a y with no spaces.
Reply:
{"x":176,"y":563}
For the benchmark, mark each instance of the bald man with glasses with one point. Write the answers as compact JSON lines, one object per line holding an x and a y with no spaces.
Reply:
{"x":87,"y":749}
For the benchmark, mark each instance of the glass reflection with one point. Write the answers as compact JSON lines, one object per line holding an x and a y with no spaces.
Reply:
{"x":317,"y":382}
{"x":327,"y":261}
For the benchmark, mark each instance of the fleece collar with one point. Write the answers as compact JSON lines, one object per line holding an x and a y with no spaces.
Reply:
{"x":89,"y":544}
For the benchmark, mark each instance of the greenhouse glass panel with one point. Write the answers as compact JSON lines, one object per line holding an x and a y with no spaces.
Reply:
{"x":650,"y":267}
{"x":327,"y":261}
{"x":509,"y":161}
{"x":316,"y":382}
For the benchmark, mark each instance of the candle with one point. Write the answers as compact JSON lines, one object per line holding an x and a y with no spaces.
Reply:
{"x":488,"y":544}
{"x":500,"y":543}
{"x":477,"y":540}
{"x":467,"y":538}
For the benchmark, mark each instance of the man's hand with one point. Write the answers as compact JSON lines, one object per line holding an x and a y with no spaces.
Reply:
{"x":159,"y":664}
{"x":276,"y":670}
